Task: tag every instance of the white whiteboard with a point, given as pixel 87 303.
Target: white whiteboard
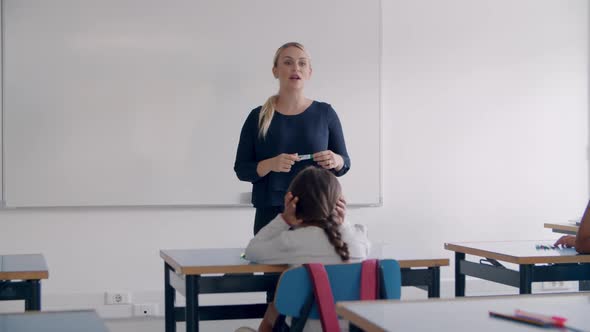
pixel 135 102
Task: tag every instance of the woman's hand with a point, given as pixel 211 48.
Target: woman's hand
pixel 567 241
pixel 328 160
pixel 280 163
pixel 340 210
pixel 289 212
pixel 283 162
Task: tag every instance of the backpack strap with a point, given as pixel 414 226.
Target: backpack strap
pixel 324 297
pixel 370 280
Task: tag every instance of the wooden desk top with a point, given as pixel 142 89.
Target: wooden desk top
pixel 47 321
pixel 224 260
pixel 464 314
pixel 563 228
pixel 405 258
pixel 228 260
pixel 25 267
pixel 519 252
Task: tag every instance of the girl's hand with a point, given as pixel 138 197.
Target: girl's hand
pixel 328 160
pixel 289 212
pixel 340 210
pixel 567 241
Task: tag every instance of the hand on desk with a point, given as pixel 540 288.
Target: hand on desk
pixel 567 241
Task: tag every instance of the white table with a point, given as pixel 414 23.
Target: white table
pixel 464 314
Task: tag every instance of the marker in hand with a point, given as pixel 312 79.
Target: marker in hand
pixel 305 157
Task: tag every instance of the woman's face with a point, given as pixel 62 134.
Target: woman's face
pixel 293 68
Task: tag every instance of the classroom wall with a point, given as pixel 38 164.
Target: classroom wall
pixel 485 137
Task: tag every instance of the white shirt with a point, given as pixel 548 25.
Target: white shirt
pixel 275 243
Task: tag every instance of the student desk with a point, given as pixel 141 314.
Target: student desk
pixel 534 265
pixel 20 279
pixel 62 321
pixel 190 273
pixel 570 229
pixel 464 314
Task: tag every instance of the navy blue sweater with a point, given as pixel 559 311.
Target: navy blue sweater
pixel 316 129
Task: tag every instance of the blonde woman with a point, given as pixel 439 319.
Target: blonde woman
pixel 286 134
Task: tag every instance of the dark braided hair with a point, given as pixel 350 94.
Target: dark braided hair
pixel 319 191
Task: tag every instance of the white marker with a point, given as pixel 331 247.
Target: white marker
pixel 305 157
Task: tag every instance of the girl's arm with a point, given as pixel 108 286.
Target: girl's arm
pixel 268 244
pixel 355 235
pixel 583 235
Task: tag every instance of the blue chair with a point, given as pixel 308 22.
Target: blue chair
pixel 295 286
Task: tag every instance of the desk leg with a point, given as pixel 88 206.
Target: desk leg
pixel 526 278
pixel 584 285
pixel 169 298
pixel 33 299
pixel 434 287
pixel 192 303
pixel 270 296
pixel 459 277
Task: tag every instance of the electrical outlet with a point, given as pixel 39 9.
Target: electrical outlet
pixel 145 309
pixel 117 298
pixel 554 285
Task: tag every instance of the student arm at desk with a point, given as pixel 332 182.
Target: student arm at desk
pixel 582 239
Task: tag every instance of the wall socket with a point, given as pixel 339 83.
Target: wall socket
pixel 555 285
pixel 117 298
pixel 145 309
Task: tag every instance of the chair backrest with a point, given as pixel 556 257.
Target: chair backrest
pixel 295 286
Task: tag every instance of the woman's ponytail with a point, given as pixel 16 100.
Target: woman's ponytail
pixel 265 116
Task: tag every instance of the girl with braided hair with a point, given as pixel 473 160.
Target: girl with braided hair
pixel 311 229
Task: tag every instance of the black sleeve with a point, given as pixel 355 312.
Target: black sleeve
pixel 246 163
pixel 336 142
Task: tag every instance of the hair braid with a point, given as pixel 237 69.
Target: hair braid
pixel 332 230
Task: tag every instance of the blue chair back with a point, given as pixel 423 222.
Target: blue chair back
pixel 295 286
